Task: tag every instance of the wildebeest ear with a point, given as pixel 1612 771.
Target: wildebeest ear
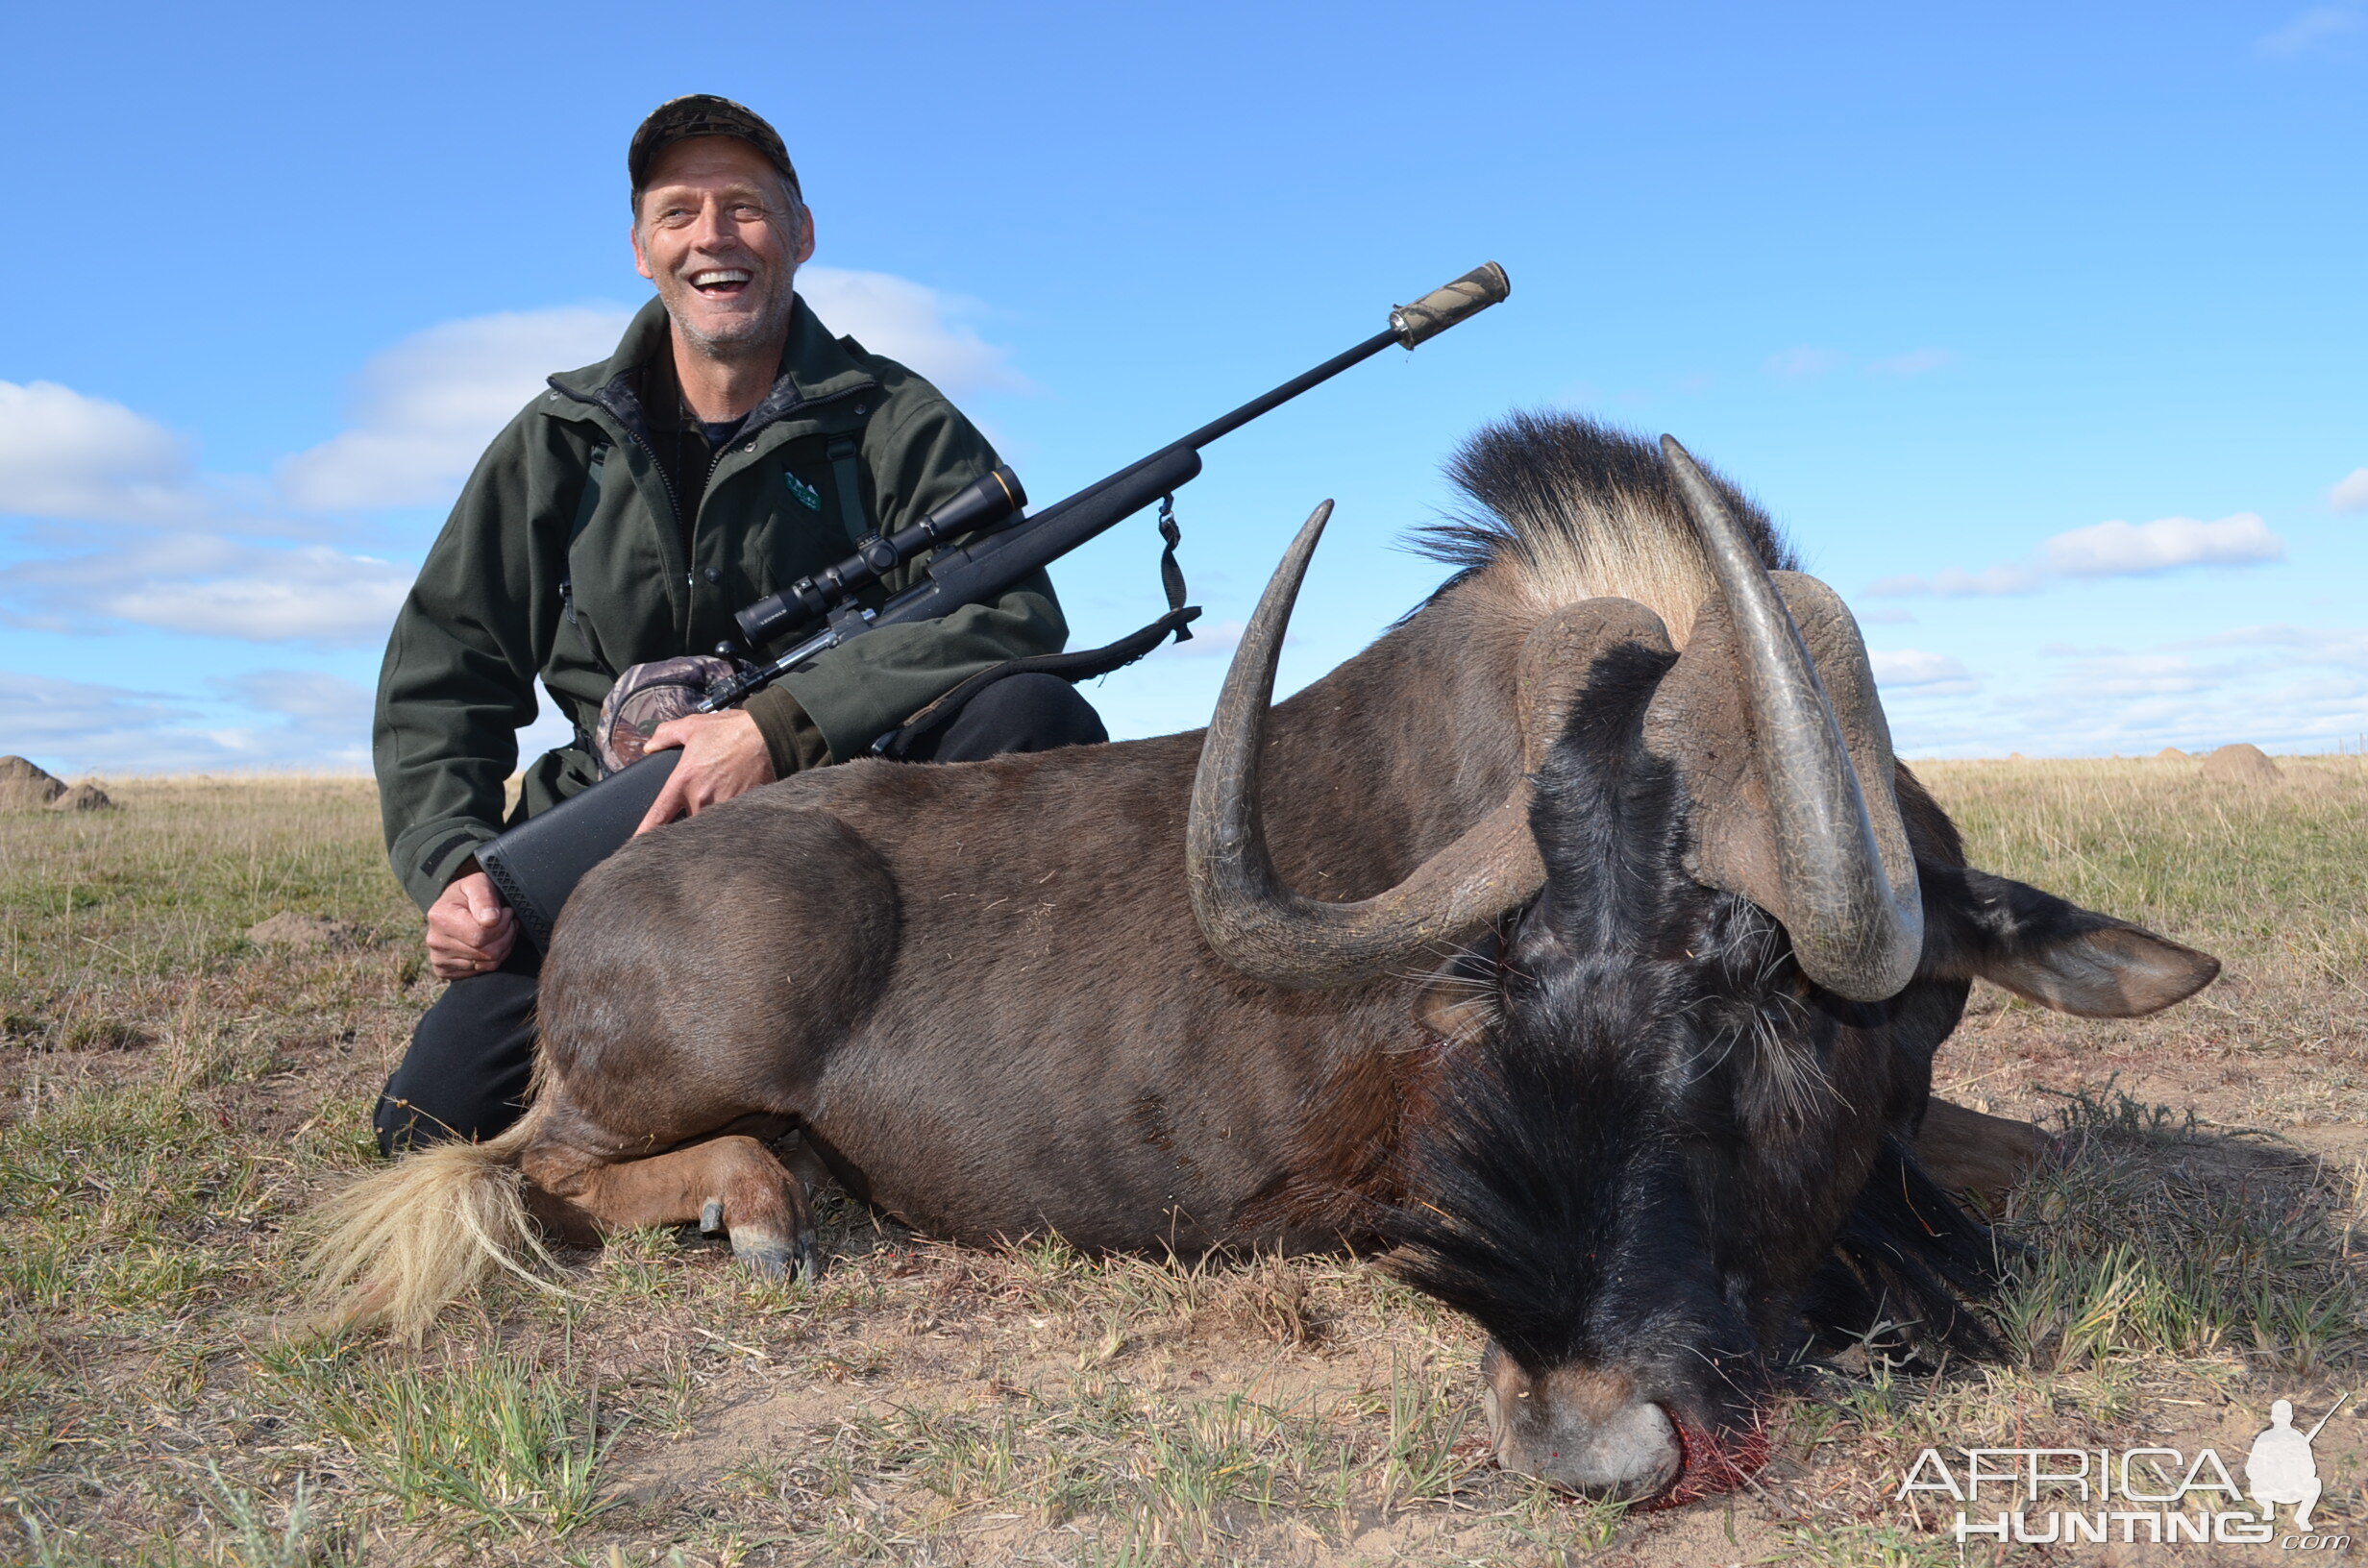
pixel 1458 1003
pixel 2053 952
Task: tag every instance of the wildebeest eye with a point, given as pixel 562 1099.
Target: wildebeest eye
pixel 1459 1002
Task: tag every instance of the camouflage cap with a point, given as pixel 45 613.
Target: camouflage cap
pixel 705 114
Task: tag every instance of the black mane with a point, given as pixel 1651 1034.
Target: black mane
pixel 1545 1183
pixel 1908 1256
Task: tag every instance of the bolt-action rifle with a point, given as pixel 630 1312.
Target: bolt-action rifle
pixel 537 864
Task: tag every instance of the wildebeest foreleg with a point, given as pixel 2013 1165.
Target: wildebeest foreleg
pixel 1968 1151
pixel 731 1184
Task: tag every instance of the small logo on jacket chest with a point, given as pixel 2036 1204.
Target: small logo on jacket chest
pixel 807 496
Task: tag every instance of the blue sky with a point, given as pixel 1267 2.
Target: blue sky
pixel 2040 328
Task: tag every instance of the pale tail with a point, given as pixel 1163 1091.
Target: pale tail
pixel 397 1247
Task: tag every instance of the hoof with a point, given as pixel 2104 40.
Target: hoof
pixel 712 1218
pixel 770 1258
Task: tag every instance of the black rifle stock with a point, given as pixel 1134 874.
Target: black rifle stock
pixel 537 864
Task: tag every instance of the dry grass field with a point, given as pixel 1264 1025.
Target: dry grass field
pixel 171 1093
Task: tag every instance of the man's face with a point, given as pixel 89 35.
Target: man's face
pixel 716 233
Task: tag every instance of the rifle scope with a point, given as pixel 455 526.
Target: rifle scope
pixel 982 504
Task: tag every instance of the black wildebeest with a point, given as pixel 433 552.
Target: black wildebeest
pixel 1700 937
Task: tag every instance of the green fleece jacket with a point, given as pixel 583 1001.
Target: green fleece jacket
pixel 567 558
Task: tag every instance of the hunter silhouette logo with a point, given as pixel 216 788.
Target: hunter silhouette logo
pixel 2152 1495
pixel 2281 1468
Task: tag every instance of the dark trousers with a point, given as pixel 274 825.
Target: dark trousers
pixel 466 1074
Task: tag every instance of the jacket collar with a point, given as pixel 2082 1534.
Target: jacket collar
pixel 816 367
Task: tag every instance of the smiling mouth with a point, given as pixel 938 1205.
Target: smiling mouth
pixel 722 282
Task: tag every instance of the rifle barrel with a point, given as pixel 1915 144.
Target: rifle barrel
pixel 1266 402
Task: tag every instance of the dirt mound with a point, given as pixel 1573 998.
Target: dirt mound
pixel 84 796
pixel 2240 764
pixel 2171 754
pixel 289 929
pixel 24 786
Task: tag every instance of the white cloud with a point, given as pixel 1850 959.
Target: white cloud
pixel 211 587
pixel 306 697
pixel 2140 675
pixel 1888 615
pixel 1915 363
pixel 64 454
pixel 912 323
pixel 2345 649
pixel 39 714
pixel 1802 364
pixel 425 409
pixel 275 719
pixel 2119 549
pixel 2106 549
pixel 290 719
pixel 2280 686
pixel 323 717
pixel 2309 31
pixel 122 528
pixel 2350 493
pixel 158 544
pixel 310 594
pixel 1910 667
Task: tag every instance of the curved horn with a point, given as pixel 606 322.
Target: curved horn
pixel 1856 930
pixel 1273 934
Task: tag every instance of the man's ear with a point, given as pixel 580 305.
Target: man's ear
pixel 805 242
pixel 641 259
pixel 2052 953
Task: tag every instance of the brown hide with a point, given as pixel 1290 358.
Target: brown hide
pixel 980 986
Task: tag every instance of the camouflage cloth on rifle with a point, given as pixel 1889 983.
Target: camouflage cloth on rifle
pixel 646 696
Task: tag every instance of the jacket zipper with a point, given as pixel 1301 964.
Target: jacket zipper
pixel 673 502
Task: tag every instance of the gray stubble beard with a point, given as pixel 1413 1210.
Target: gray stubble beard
pixel 769 329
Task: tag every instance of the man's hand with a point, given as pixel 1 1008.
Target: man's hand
pixel 470 930
pixel 724 754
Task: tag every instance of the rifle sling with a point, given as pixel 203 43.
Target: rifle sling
pixel 846 478
pixel 1085 664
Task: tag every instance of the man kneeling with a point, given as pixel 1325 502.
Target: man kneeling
pixel 731 445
